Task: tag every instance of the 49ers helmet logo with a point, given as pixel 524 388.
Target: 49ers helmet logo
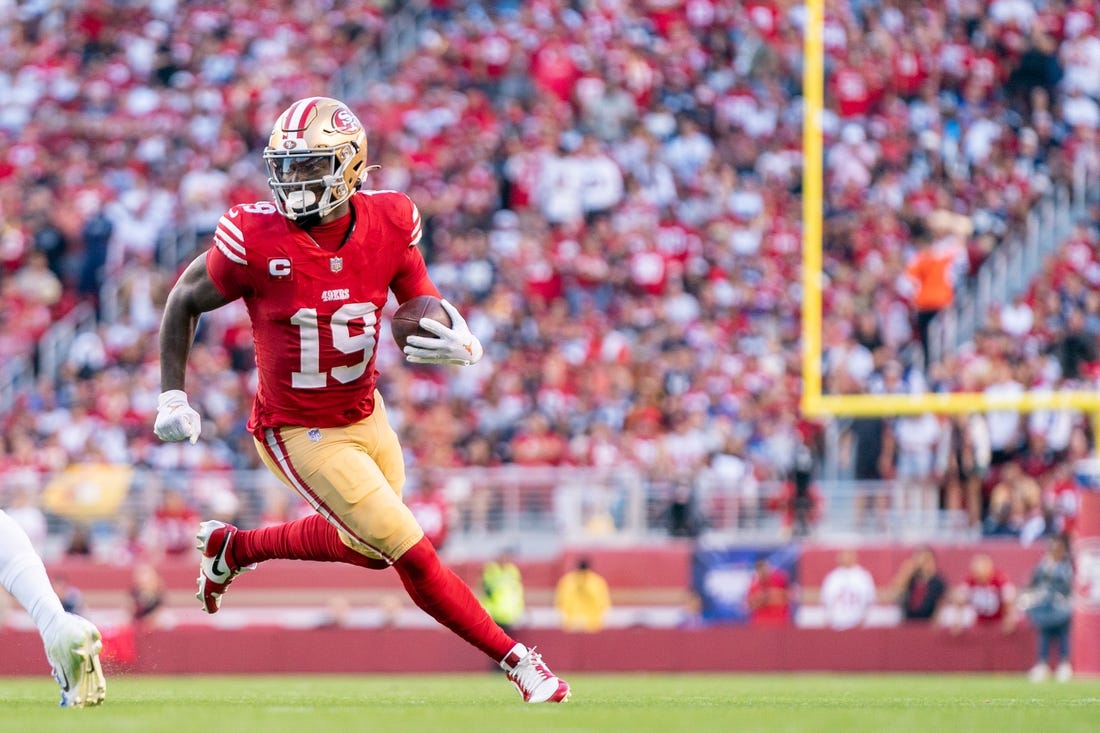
pixel 344 121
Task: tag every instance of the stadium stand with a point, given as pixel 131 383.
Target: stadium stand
pixel 610 191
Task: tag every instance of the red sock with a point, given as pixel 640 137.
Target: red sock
pixel 312 538
pixel 443 596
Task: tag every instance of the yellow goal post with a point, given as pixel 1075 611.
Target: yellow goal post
pixel 813 402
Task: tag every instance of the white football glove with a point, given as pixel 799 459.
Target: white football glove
pixel 176 420
pixel 454 345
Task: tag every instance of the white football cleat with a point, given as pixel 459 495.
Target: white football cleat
pixel 73 651
pixel 1064 673
pixel 532 677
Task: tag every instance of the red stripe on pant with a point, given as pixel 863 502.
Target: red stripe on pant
pixel 281 457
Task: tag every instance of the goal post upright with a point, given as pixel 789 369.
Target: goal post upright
pixel 813 102
pixel 813 402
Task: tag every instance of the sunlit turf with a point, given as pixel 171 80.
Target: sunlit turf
pixel 612 703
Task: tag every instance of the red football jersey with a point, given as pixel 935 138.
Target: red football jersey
pixel 987 598
pixel 315 312
pixel 774 608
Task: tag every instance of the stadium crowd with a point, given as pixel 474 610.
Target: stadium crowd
pixel 611 192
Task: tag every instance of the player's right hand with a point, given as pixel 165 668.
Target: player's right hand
pixel 176 420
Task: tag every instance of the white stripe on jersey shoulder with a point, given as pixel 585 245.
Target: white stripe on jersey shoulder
pixel 417 225
pixel 416 230
pixel 231 229
pixel 235 246
pixel 226 251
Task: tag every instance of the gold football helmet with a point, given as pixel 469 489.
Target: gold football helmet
pixel 317 157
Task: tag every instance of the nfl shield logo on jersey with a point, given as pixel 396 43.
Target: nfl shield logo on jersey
pixel 336 264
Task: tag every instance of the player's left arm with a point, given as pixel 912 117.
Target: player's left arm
pixel 451 345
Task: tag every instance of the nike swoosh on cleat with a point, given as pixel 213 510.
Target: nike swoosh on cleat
pixel 63 680
pixel 214 568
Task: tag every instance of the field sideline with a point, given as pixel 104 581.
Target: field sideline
pixel 601 703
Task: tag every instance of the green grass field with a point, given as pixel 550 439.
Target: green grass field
pixel 611 703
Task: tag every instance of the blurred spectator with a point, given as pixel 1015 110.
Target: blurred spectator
pixel 432 511
pixel 1023 495
pixel 146 595
pixel 919 586
pixel 769 595
pixel 502 592
pixel 536 444
pixel 95 236
pixel 985 598
pixel 337 613
pixel 872 462
pixel 968 459
pixel 1006 431
pixel 23 508
pixel 934 266
pixel 1016 318
pixel 1048 602
pixel 917 471
pixel 1000 521
pixel 171 530
pixel 601 179
pixel 682 514
pixel 847 592
pixel 1065 500
pixel 72 600
pixel 1077 348
pixel 36 283
pixel 80 541
pixel 582 598
pixel 689 151
pixel 800 502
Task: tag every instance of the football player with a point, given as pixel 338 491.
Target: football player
pixel 72 642
pixel 314 268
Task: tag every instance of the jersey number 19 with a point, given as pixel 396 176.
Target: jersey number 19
pixel 310 375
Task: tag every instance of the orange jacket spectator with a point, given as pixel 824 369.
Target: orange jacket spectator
pixel 941 243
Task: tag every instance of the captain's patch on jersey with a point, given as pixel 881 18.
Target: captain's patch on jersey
pixel 278 267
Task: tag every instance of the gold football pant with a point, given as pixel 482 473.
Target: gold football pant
pixel 352 476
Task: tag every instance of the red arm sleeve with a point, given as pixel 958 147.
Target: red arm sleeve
pixel 412 278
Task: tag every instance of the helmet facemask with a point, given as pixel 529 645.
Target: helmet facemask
pixel 309 183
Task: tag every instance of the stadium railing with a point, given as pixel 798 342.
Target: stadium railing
pixel 55 343
pixel 533 510
pixel 16 376
pixel 18 371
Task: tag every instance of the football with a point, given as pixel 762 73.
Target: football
pixel 406 319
